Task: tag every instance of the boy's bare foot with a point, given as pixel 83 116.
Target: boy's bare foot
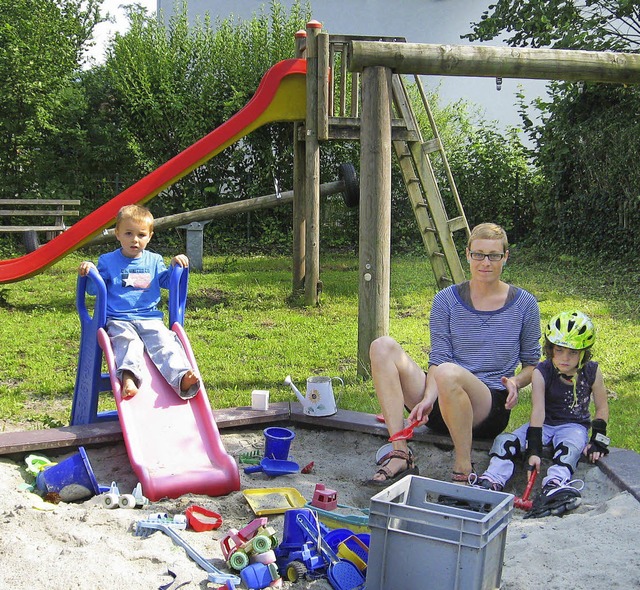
pixel 129 386
pixel 189 385
pixel 188 379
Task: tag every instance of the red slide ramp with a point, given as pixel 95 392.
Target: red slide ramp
pixel 281 96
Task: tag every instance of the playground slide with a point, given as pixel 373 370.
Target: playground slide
pixel 281 96
pixel 174 445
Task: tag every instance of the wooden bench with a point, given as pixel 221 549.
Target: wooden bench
pixel 40 208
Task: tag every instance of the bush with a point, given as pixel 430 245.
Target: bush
pixel 587 147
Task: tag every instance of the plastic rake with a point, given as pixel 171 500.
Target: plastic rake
pixel 169 527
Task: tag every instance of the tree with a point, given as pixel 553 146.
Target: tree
pixel 175 83
pixel 41 48
pixel 587 148
pixel 491 168
pixel 86 154
pixel 562 24
pixel 586 137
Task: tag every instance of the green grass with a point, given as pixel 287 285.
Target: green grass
pixel 247 333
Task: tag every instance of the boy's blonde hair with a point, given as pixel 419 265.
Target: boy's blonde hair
pixel 488 231
pixel 135 213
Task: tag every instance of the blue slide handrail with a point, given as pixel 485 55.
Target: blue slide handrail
pixel 90 380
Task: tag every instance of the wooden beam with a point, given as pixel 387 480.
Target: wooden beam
pixel 299 215
pixel 504 62
pixel 299 174
pixel 209 213
pixel 368 424
pixel 323 86
pixel 109 432
pixel 312 171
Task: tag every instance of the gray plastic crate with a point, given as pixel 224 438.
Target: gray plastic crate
pixel 421 540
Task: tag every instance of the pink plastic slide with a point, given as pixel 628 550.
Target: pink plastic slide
pixel 174 445
pixel 281 96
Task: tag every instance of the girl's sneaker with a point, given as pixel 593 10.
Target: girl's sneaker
pixel 484 482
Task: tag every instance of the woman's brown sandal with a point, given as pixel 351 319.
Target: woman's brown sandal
pixel 459 477
pixel 389 478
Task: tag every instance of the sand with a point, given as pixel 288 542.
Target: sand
pixel 83 545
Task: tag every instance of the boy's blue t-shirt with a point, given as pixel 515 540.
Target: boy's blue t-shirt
pixel 133 284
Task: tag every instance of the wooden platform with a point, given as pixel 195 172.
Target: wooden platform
pixel 622 466
pixel 367 423
pixel 110 432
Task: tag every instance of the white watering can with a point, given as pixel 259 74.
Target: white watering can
pixel 319 400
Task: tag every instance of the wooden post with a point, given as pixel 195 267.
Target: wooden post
pixel 323 86
pixel 299 168
pixel 375 212
pixel 312 172
pixel 505 62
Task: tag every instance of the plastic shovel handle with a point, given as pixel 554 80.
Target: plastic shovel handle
pixel 532 480
pixel 253 468
pixel 524 503
pixel 405 433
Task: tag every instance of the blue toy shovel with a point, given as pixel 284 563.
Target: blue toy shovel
pixel 274 467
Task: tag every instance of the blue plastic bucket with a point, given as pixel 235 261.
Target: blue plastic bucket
pixel 277 442
pixel 72 479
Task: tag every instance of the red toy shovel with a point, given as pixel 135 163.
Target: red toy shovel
pixel 405 433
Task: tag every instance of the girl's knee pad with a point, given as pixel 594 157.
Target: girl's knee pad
pixel 566 455
pixel 506 446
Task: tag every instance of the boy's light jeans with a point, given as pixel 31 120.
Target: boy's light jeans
pixel 130 338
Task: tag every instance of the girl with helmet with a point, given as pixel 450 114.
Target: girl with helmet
pixel 562 388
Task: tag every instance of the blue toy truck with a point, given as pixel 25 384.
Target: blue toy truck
pixel 297 557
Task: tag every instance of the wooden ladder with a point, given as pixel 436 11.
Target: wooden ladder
pixel 415 159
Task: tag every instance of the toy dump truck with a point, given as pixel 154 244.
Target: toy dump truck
pixel 239 545
pixel 298 557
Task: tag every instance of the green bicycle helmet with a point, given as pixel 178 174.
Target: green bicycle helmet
pixel 571 329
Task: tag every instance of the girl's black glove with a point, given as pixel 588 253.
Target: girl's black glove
pixel 599 442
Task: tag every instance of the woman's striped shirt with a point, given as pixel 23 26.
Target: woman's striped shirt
pixel 490 344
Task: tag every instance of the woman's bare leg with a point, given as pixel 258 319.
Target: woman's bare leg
pixel 464 402
pixel 398 381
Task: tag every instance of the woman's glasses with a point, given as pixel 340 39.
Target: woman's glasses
pixel 493 256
